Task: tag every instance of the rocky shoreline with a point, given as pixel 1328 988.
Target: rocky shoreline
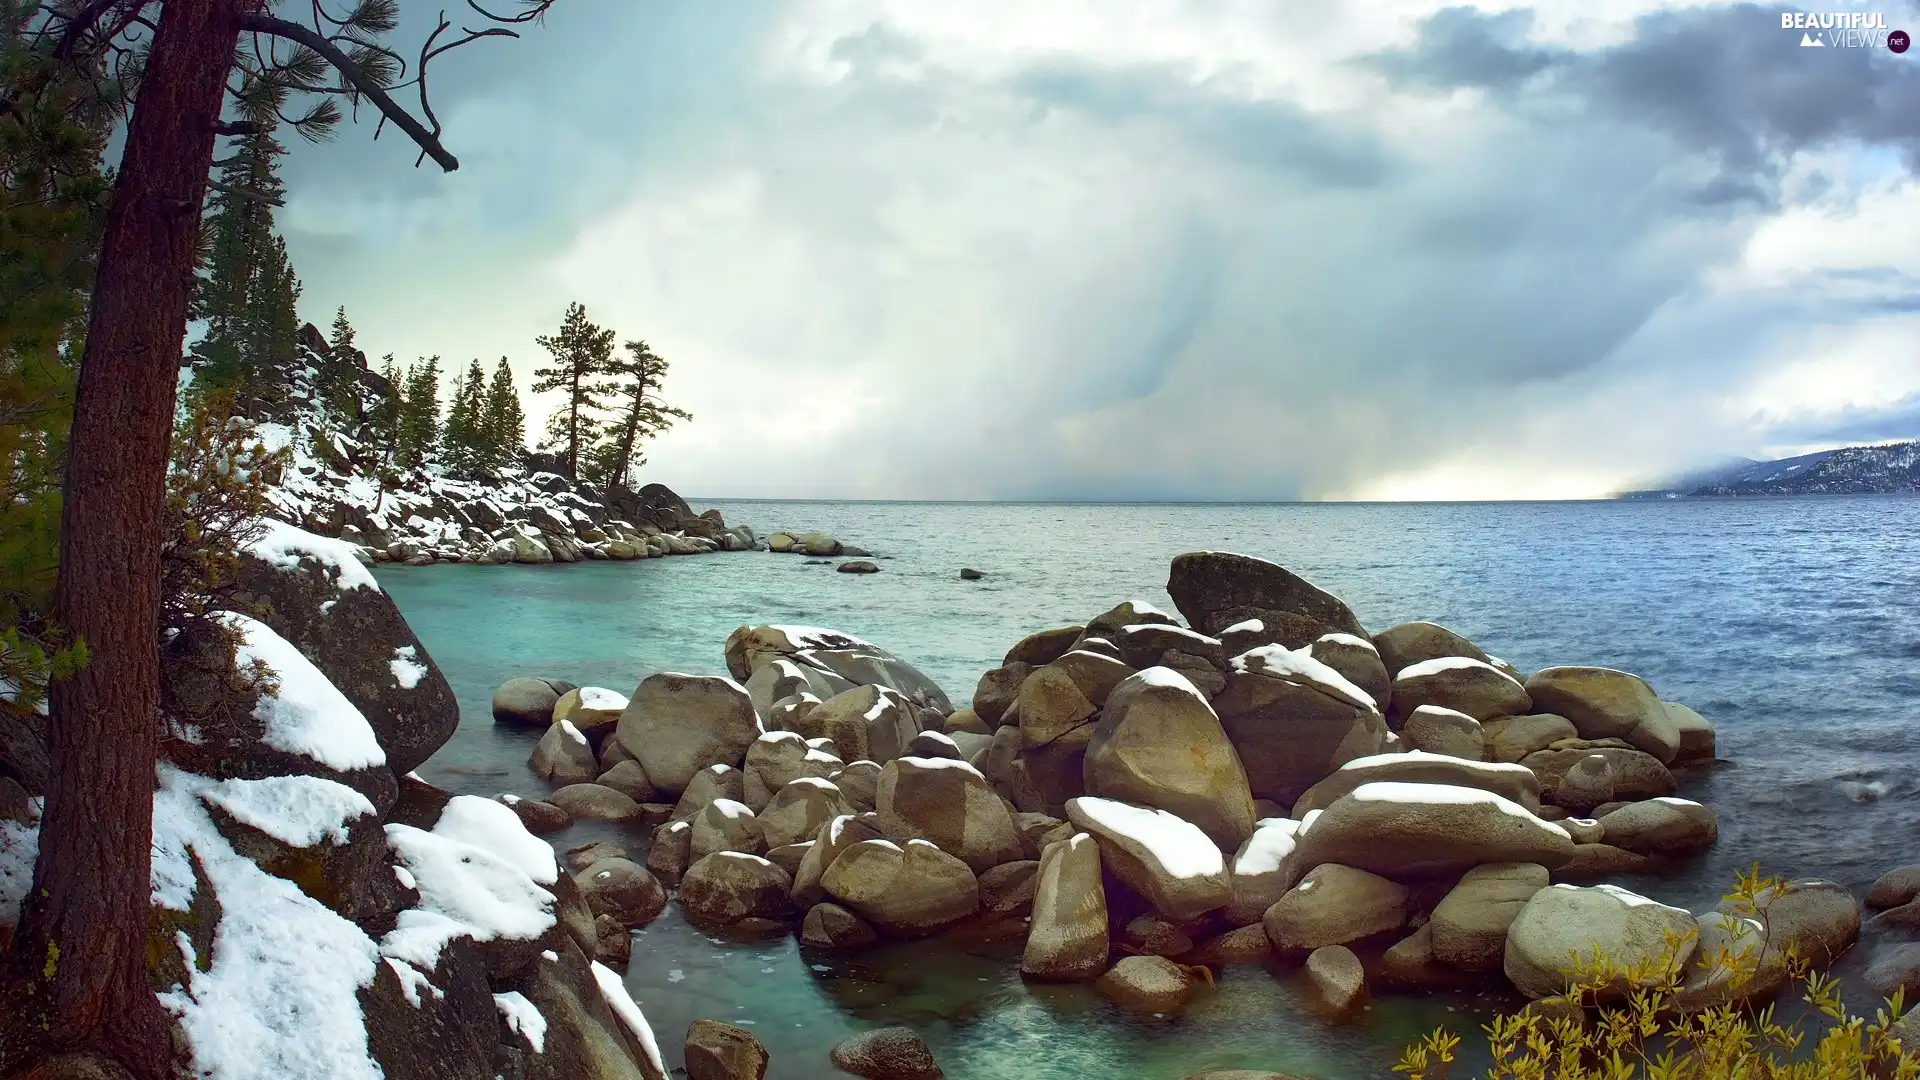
pixel 1141 801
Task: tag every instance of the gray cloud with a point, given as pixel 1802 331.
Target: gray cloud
pixel 1088 275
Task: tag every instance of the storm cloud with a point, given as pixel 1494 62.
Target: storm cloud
pixel 1158 251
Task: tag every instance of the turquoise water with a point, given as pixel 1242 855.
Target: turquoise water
pixel 1791 623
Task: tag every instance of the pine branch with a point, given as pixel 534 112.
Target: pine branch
pixel 248 194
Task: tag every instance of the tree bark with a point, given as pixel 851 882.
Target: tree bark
pixel 84 934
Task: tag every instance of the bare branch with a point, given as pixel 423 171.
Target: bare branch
pixel 428 141
pixel 222 127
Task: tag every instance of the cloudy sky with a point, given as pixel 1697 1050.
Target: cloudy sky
pixel 1222 249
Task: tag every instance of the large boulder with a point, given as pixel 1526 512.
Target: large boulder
pixel 1409 831
pixel 858 662
pixel 775 760
pixel 1697 737
pixel 313 592
pixel 1606 704
pixel 1216 589
pixel 622 889
pixel 728 887
pixel 1514 782
pixel 1159 743
pixel 903 890
pixel 833 838
pixel 1417 642
pixel 1459 683
pixel 1512 738
pixel 871 723
pixel 1067 939
pixel 1152 984
pixel 1636 774
pixel 1662 828
pixel 1562 927
pixel 1051 705
pixel 676 725
pixel 949 803
pixel 1334 905
pixel 528 702
pixel 1439 730
pixel 1293 720
pixel 725 825
pixel 1469 927
pixel 564 756
pixel 797 812
pixel 1169 862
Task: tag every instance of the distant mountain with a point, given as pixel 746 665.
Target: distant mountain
pixel 1851 470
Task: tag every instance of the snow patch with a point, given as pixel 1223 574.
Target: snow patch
pixel 477 877
pixel 1169 679
pixel 1417 794
pixel 599 697
pixel 299 811
pixel 521 1016
pixel 19 847
pixel 406 666
pixel 936 764
pixel 1354 640
pixel 1178 845
pixel 277 1000
pixel 1272 840
pixel 308 715
pixel 284 546
pixel 629 1013
pixel 1449 663
pixel 412 982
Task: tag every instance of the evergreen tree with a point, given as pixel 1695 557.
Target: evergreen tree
pixel 503 424
pixel 340 339
pixel 419 424
pixel 339 391
pixel 464 441
pixel 581 352
pixel 636 379
pixel 248 292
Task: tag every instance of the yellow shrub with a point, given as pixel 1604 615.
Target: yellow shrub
pixel 1658 1032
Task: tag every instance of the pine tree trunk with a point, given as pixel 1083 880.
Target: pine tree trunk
pixel 573 429
pixel 86 925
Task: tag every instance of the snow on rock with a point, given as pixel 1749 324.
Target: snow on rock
pixel 299 811
pixel 277 999
pixel 406 665
pixel 479 874
pixel 413 982
pixel 1354 640
pixel 1272 840
pixel 1178 845
pixel 1298 664
pixel 628 1010
pixel 1448 663
pixel 521 1016
pixel 602 699
pixel 284 546
pixel 19 847
pixel 307 715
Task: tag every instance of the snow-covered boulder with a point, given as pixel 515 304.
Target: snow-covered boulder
pixel 1606 704
pixel 563 755
pixel 710 783
pixel 1168 861
pixel 843 656
pixel 1260 871
pixel 313 592
pixel 776 759
pixel 1067 939
pixel 1357 661
pixel 676 725
pixel 904 890
pixel 1293 720
pixel 1159 743
pixel 796 812
pixel 949 803
pixel 1562 926
pixel 1459 683
pixel 1439 730
pixel 1413 643
pixel 1216 589
pixel 871 723
pixel 1514 782
pixel 592 709
pixel 1409 831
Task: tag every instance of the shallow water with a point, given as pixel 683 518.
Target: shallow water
pixel 1791 623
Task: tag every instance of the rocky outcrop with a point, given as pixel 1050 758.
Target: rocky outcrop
pixel 1159 744
pixel 1215 590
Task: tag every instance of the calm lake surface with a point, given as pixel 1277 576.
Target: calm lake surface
pixel 1793 624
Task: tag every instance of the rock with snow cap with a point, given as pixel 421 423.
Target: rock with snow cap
pixel 593 709
pixel 564 756
pixel 728 887
pixel 1413 643
pixel 713 782
pixel 1410 831
pixel 904 890
pixel 1158 743
pixel 1439 730
pixel 951 804
pixel 1260 871
pixel 1562 923
pixel 725 825
pixel 776 759
pixel 796 812
pixel 834 837
pixel 1459 683
pixel 314 593
pixel 1169 862
pixel 1293 720
pixel 1068 935
pixel 867 722
pixel 1355 658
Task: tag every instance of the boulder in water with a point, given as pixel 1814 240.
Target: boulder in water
pixel 1158 743
pixel 1167 860
pixel 676 725
pixel 1068 935
pixel 1216 589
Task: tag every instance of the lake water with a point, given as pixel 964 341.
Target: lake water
pixel 1793 624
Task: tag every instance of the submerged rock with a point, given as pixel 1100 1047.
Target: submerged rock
pixel 1148 983
pixel 717 1051
pixel 893 1053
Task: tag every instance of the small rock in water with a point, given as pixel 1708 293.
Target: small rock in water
pixel 852 552
pixel 968 573
pixel 893 1053
pixel 717 1051
pixel 858 566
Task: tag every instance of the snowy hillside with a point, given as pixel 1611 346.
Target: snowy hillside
pixel 1852 470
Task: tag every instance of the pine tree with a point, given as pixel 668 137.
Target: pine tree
pixel 340 339
pixel 419 425
pixel 248 293
pixel 637 377
pixel 339 390
pixel 503 424
pixel 464 441
pixel 581 352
